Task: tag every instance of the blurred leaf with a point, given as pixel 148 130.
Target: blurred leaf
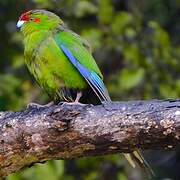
pixel 167 91
pixel 105 12
pixel 43 3
pixel 94 37
pixel 10 92
pixel 85 7
pixel 120 22
pixel 130 78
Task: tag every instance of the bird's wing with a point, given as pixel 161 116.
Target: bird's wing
pixel 81 58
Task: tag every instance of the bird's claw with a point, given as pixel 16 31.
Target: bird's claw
pixel 71 103
pixel 37 106
pixel 33 105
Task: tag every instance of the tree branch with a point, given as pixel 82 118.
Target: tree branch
pixel 71 131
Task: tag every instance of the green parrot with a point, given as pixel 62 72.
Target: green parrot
pixel 62 63
pixel 59 59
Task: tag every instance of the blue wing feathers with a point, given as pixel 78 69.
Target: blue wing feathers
pixel 94 81
pixel 94 78
pixel 69 55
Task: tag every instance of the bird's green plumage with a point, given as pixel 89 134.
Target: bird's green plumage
pixel 47 62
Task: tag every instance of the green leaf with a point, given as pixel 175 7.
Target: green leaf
pixel 105 12
pixel 129 79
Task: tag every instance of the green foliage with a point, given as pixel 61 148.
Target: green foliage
pixel 51 170
pixel 135 43
pixel 105 12
pixel 10 92
pixel 85 7
pixel 129 79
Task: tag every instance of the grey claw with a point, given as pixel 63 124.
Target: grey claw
pixel 35 105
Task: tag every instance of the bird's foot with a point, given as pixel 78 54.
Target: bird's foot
pixel 35 105
pixel 71 103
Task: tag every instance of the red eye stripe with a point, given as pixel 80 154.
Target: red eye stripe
pixel 24 16
pixel 36 20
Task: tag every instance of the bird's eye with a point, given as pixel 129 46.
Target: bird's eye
pixel 36 20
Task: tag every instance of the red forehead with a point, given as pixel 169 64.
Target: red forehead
pixel 24 16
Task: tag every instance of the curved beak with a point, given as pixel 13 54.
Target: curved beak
pixel 20 23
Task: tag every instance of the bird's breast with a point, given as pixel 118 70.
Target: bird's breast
pixel 49 65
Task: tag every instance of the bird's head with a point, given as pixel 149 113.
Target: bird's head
pixel 35 20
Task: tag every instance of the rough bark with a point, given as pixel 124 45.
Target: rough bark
pixel 72 131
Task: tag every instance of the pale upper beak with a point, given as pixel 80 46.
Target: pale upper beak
pixel 20 23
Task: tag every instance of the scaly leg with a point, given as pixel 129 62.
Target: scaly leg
pixel 78 96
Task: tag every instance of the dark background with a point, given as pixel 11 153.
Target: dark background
pixel 136 45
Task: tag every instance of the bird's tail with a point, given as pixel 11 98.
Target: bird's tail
pixel 135 158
